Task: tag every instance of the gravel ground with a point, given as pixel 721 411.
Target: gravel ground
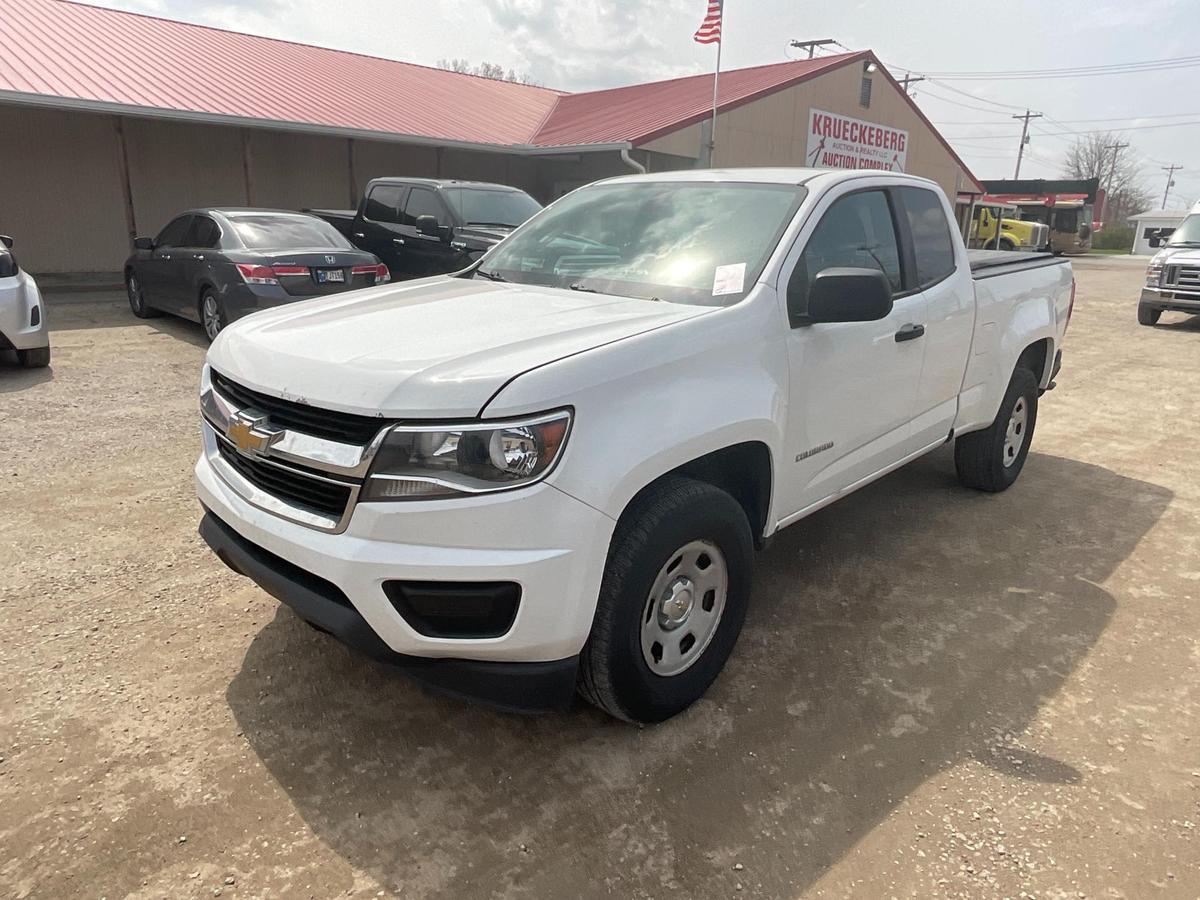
pixel 938 693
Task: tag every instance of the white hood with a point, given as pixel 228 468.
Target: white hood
pixel 436 348
pixel 1178 256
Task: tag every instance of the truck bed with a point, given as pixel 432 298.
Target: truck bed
pixel 989 263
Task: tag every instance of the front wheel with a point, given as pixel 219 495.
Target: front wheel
pixel 1148 315
pixel 137 297
pixel 212 314
pixel 672 601
pixel 991 460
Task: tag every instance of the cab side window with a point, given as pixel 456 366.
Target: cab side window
pixel 174 233
pixel 932 244
pixel 856 231
pixel 383 204
pixel 424 202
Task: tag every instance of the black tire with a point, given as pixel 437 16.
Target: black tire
pixel 1148 315
pixel 613 672
pixel 137 297
pixel 212 326
pixel 1008 245
pixel 36 358
pixel 979 457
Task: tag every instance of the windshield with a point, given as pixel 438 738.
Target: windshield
pixel 1187 233
pixel 480 206
pixel 287 233
pixel 687 242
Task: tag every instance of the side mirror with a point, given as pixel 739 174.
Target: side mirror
pixel 429 225
pixel 7 241
pixel 845 295
pixel 143 243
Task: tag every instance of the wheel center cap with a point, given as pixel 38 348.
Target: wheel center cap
pixel 677 603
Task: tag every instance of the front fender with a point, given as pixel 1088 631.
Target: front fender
pixel 648 404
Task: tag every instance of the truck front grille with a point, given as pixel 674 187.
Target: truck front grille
pixel 1185 277
pixel 332 425
pixel 293 485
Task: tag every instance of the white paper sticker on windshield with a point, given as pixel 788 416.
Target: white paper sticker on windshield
pixel 729 279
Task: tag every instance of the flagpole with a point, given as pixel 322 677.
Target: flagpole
pixel 712 135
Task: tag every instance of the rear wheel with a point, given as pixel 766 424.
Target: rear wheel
pixel 672 602
pixel 212 313
pixel 35 358
pixel 1008 245
pixel 1148 315
pixel 991 460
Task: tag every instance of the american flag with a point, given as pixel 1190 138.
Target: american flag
pixel 709 31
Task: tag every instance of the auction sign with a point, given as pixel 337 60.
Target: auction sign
pixel 839 142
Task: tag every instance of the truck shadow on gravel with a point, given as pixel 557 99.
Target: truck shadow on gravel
pixel 911 627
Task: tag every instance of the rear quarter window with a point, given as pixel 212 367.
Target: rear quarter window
pixel 930 230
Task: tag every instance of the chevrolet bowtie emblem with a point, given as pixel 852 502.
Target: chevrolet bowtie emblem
pixel 250 433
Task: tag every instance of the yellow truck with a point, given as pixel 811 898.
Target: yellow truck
pixel 1015 234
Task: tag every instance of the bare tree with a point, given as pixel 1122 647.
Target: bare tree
pixel 1105 156
pixel 484 70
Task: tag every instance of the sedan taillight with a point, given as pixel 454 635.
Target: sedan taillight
pixel 380 272
pixel 268 274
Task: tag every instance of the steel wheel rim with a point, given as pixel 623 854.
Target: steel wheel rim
pixel 684 608
pixel 1014 435
pixel 212 317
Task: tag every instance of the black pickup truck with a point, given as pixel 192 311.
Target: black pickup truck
pixel 423 226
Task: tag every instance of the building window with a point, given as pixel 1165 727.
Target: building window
pixel 864 93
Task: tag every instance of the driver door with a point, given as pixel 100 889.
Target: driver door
pixel 852 385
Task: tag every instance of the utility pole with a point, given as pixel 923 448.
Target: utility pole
pixel 1112 172
pixel 811 46
pixel 910 79
pixel 1170 170
pixel 1024 138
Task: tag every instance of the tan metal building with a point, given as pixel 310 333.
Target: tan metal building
pixel 111 122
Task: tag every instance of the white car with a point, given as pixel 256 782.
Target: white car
pixel 552 469
pixel 22 312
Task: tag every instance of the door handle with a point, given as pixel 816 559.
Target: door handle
pixel 909 332
pixel 198 256
pixel 359 234
pixel 397 240
pixel 165 256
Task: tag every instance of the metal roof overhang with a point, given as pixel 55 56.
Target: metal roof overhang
pixel 77 104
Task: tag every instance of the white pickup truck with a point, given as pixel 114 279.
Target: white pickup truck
pixel 551 470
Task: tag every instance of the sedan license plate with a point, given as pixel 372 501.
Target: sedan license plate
pixel 327 275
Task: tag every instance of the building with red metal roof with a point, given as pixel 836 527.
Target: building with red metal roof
pixel 144 116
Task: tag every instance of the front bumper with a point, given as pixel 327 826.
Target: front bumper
pixel 22 314
pixel 550 544
pixel 517 686
pixel 1177 301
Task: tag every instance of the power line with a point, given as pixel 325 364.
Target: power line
pixel 1064 122
pixel 1008 137
pixel 1148 65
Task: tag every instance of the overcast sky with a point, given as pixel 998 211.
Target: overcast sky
pixel 584 44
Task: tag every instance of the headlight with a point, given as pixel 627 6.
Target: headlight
pixel 424 462
pixel 1154 273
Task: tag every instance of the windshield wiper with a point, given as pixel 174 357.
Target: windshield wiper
pixel 493 224
pixel 490 276
pixel 580 286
